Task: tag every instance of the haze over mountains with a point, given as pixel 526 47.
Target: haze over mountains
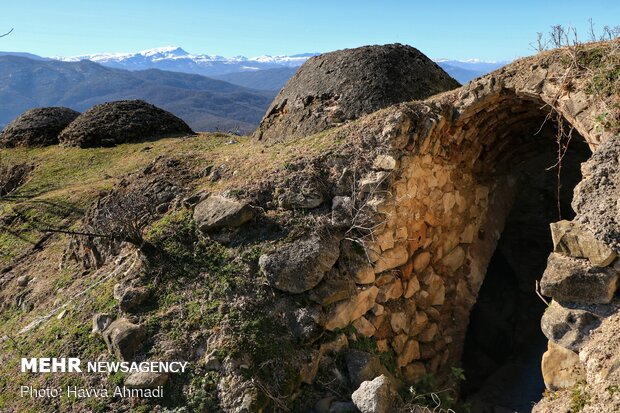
pixel 208 92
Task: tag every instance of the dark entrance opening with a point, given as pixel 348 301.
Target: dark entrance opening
pixel 504 343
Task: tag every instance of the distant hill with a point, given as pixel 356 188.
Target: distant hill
pixel 22 54
pixel 461 75
pixel 205 104
pixel 467 70
pixel 268 79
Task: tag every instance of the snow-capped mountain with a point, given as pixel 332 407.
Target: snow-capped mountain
pixel 178 60
pixel 270 71
pixel 475 65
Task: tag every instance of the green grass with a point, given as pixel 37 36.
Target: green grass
pixel 195 280
pixel 579 398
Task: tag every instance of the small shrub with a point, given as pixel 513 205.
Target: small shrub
pixel 579 397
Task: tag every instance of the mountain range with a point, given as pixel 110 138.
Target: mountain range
pixel 204 103
pixel 178 60
pixel 208 92
pixel 262 72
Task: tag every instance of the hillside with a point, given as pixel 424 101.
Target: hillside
pixel 392 260
pixel 205 104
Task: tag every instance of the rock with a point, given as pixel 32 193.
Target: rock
pixel 341 86
pixel 413 286
pixel 307 197
pixel 145 380
pixel 421 261
pixel 162 208
pixel 334 287
pixel 561 368
pixel 399 322
pixel 390 291
pixel 392 258
pixel 23 281
pixel 572 239
pixel 364 327
pixel 422 299
pixel 384 162
pixel 414 372
pixel 353 262
pixel 419 323
pixel 309 372
pixel 344 312
pixel 212 363
pixel 363 366
pixel 342 211
pixel 124 338
pixel 13 176
pixel 37 127
pixel 132 298
pixel 570 279
pixel 409 353
pixel 217 212
pixel 364 274
pixel 113 123
pixel 301 265
pixel 429 333
pixel 454 259
pixel 193 200
pixel 596 197
pixel 376 396
pixel 303 323
pixel 569 328
pixel 436 288
pixel 101 322
pixel 373 182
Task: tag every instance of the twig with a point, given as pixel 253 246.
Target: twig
pixel 538 293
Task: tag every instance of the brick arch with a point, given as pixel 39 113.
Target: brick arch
pixel 447 200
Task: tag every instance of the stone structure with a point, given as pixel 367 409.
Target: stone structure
pixel 341 86
pixel 440 197
pixel 37 127
pixel 113 123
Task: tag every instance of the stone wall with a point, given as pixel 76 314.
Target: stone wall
pixel 450 185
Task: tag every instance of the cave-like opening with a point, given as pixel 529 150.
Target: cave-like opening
pixel 504 343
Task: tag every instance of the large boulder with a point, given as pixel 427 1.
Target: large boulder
pixel 113 123
pixel 568 279
pixel 561 368
pixel 572 239
pixel 218 211
pixel 124 338
pixel 301 265
pixel 596 197
pixel 341 86
pixel 376 396
pixel 568 327
pixel 37 127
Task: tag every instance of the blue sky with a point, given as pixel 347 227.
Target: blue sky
pixel 489 30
